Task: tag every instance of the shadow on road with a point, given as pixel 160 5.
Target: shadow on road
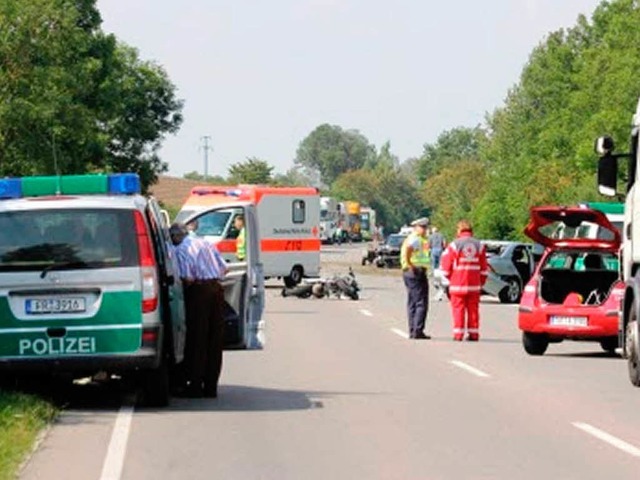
pixel 611 356
pixel 236 398
pixel 292 312
pixel 448 339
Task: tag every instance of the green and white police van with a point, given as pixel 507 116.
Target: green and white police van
pixel 88 282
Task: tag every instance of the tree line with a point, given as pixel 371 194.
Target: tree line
pixel 536 148
pixel 75 100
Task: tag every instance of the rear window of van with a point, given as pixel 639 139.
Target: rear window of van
pixel 80 238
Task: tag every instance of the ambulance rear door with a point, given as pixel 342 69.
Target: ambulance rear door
pixel 290 234
pixel 244 282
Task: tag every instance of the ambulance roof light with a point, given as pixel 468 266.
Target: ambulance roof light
pixel 216 191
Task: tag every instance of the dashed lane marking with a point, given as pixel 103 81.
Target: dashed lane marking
pixel 608 438
pixel 114 461
pixel 470 369
pixel 366 312
pixel 400 333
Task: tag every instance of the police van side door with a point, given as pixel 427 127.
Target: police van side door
pixel 172 295
pixel 243 284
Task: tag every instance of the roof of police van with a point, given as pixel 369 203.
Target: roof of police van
pixel 74 201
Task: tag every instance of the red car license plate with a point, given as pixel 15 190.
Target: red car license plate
pixel 568 321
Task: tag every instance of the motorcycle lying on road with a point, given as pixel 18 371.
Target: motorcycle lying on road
pixel 337 286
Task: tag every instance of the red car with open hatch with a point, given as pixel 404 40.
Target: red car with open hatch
pixel 575 291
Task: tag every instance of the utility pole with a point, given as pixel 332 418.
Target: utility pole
pixel 206 148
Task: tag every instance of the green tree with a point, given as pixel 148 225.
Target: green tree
pixel 384 158
pixel 393 195
pixel 295 177
pixel 453 193
pixel 74 94
pixel 252 171
pixel 212 179
pixel 330 151
pixel 577 84
pixel 452 146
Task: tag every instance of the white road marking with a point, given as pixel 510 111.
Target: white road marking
pixel 469 368
pixel 366 312
pixel 399 332
pixel 610 439
pixel 114 461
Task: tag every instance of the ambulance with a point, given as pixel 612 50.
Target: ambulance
pixel 288 224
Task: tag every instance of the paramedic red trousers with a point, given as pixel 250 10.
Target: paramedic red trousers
pixel 466 315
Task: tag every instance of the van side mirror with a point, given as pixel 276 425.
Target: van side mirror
pixel 604 145
pixel 607 166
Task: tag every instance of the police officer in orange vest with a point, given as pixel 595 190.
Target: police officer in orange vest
pixel 414 260
pixel 464 264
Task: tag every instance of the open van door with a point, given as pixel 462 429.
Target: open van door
pixel 244 283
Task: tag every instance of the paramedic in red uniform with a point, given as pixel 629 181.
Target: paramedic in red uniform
pixel 464 263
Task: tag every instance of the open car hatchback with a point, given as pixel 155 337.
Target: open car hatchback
pixel 575 290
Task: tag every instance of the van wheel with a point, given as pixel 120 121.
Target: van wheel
pixel 294 278
pixel 512 292
pixel 609 344
pixel 632 354
pixel 155 386
pixel 534 344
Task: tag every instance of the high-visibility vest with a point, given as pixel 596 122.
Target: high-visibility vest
pixel 241 247
pixel 419 256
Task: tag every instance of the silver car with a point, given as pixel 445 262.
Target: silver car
pixel 511 265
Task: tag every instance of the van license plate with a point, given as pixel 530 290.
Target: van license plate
pixel 37 306
pixel 568 321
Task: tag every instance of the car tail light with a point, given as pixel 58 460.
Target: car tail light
pixel 147 265
pixel 617 293
pixel 149 337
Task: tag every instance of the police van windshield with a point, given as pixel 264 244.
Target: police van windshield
pixel 82 238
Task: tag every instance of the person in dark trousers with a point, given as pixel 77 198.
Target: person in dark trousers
pixel 201 268
pixel 414 260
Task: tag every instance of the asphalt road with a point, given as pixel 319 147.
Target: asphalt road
pixel 340 393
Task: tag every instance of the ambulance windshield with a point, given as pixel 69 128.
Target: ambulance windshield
pixel 216 223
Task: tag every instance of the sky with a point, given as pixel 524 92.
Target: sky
pixel 259 76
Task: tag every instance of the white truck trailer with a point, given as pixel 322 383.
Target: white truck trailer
pixel 629 314
pixel 328 219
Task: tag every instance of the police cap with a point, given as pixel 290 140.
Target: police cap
pixel 420 222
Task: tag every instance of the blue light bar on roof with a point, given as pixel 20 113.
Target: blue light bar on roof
pixel 10 188
pixel 115 184
pixel 124 183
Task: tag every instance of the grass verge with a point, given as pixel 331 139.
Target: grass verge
pixel 22 417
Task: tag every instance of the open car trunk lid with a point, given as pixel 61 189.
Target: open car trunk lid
pixel 572 227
